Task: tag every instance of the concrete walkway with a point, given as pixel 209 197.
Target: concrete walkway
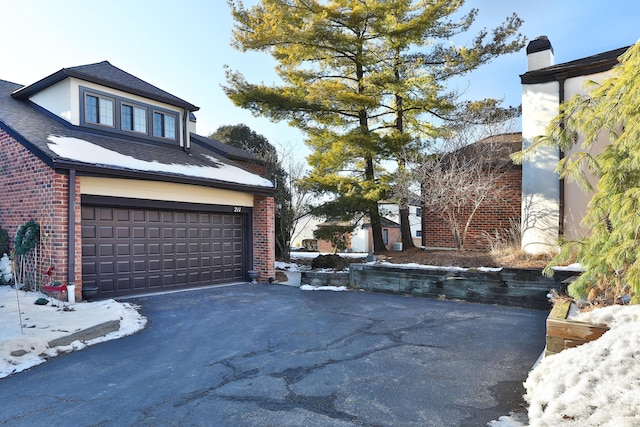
pixel 274 355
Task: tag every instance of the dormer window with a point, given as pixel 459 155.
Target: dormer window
pixel 128 117
pixel 164 125
pixel 99 110
pixel 133 118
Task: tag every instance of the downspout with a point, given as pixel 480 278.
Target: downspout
pixel 561 78
pixel 186 144
pixel 71 233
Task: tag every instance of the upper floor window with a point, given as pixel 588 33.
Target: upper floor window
pixel 164 125
pixel 418 211
pixel 125 116
pixel 133 118
pixel 99 110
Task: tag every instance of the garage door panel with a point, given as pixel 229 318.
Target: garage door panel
pixel 155 281
pixel 106 267
pixel 123 232
pixel 153 249
pixel 89 250
pixel 127 251
pixel 105 214
pixel 123 267
pixel 138 216
pixel 140 282
pixel 105 250
pixel 89 231
pixel 105 232
pixel 106 284
pixel 139 266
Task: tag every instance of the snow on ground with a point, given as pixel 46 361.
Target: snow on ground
pixel 323 288
pixel 24 347
pixel 595 384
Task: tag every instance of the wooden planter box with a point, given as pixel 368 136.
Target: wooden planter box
pixel 563 333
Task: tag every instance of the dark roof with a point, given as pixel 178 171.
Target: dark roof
pixel 105 74
pixel 501 147
pixel 32 126
pixel 226 150
pixel 385 222
pixel 579 67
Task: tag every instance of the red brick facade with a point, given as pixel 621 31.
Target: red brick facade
pixel 32 190
pixel 264 251
pixel 490 217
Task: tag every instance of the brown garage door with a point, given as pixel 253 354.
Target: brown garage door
pixel 129 250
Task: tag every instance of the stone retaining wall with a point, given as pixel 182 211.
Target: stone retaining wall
pixel 513 287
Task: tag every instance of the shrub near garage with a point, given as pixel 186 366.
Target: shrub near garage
pixel 335 262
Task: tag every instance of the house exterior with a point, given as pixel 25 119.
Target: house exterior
pixel 391 211
pixel 361 240
pixel 128 196
pixel 496 217
pixel 553 208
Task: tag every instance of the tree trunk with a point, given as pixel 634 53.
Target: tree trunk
pixel 405 229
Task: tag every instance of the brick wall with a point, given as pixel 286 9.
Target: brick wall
pixel 32 190
pixel 264 255
pixel 490 217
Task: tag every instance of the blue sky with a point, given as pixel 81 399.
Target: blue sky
pixel 182 47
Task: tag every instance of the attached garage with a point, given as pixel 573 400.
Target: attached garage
pixel 129 250
pixel 130 203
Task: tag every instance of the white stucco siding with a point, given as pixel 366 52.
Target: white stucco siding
pixel 166 191
pixel 59 100
pixel 576 200
pixel 540 185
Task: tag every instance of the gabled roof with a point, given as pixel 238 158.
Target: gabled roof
pixel 105 74
pixel 63 146
pixel 580 67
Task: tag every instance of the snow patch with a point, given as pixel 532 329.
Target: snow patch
pixel 323 288
pixel 87 152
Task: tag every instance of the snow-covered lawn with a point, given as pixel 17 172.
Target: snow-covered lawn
pixel 22 347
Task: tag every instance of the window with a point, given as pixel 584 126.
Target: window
pixel 98 110
pixel 418 233
pixel 385 236
pixel 125 116
pixel 418 211
pixel 164 125
pixel 133 118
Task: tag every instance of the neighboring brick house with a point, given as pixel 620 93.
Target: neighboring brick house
pixel 131 198
pixel 495 218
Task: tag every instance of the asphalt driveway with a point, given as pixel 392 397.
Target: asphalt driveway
pixel 265 355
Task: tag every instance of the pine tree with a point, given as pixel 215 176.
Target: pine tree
pixel 357 77
pixel 611 252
